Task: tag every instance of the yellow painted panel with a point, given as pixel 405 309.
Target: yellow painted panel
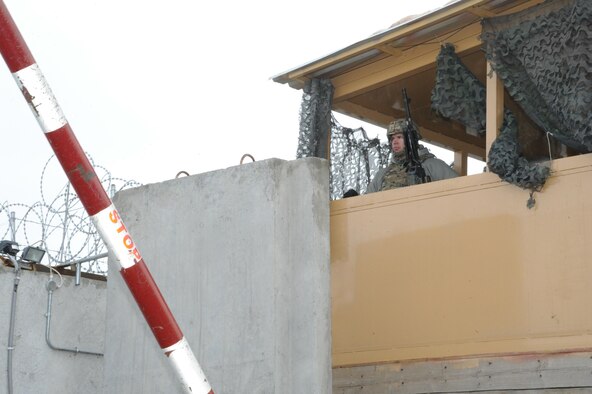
pixel 462 267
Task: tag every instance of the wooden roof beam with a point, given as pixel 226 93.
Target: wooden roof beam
pixel 362 113
pixel 381 39
pixel 521 7
pixel 390 50
pixel 390 69
pixel 482 12
pixel 452 143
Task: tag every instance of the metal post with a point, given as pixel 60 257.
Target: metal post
pixel 12 222
pixel 98 205
pixel 78 265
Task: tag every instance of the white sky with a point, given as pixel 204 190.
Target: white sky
pixel 152 88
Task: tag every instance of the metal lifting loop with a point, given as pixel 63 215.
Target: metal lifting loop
pixel 246 155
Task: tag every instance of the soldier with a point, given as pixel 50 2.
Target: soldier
pixel 395 175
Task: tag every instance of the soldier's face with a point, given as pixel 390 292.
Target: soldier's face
pixel 397 143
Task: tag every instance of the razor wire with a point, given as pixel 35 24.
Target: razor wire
pixel 59 223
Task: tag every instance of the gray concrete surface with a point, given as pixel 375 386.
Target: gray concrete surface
pixel 241 256
pixel 78 320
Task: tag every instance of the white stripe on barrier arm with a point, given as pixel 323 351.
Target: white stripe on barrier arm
pixel 187 367
pixel 40 98
pixel 115 235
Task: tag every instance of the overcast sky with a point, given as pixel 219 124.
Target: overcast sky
pixel 153 88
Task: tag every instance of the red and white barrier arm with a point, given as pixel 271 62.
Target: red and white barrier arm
pixel 98 205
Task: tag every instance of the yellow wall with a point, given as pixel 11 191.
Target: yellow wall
pixel 462 267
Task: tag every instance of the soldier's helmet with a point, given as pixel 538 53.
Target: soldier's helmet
pixel 397 126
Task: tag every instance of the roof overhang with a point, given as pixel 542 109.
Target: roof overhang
pixel 368 76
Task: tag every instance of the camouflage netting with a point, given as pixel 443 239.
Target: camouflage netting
pixel 460 96
pixel 544 57
pixel 315 119
pixel 505 159
pixel 457 93
pixel 355 159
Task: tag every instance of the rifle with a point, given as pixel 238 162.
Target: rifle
pixel 412 136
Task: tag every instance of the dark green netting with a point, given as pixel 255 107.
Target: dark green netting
pixel 315 119
pixel 505 159
pixel 460 96
pixel 457 93
pixel 543 56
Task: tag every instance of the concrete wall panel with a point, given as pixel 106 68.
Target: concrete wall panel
pixel 242 257
pixel 78 321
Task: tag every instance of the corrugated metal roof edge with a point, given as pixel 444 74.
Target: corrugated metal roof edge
pixel 376 36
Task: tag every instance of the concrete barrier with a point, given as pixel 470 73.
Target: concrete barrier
pixel 242 257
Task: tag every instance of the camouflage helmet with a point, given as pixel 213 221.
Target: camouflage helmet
pixel 397 126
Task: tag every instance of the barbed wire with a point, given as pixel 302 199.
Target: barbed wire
pixel 60 224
